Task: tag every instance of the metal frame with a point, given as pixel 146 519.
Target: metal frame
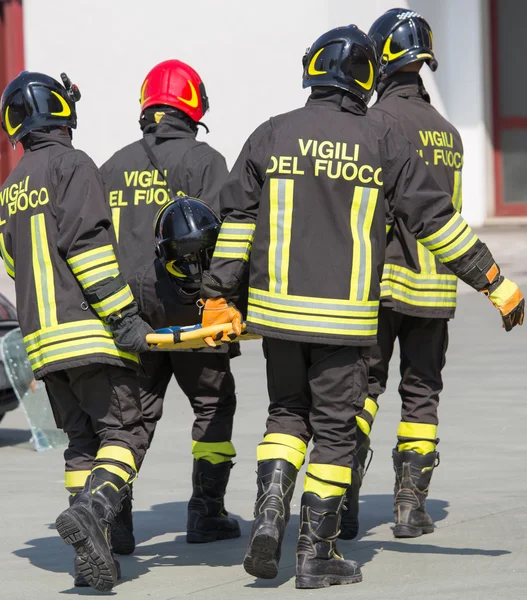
pixel 500 124
pixel 11 63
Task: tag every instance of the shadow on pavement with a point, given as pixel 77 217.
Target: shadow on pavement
pixel 51 554
pixel 13 437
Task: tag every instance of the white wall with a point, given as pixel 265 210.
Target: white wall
pixel 249 55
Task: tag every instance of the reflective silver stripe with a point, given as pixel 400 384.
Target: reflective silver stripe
pixel 468 240
pixel 57 333
pixel 417 280
pixel 310 305
pixel 386 289
pixel 280 234
pixel 43 272
pixel 100 256
pixel 226 231
pixel 79 348
pixel 457 220
pixel 233 250
pixel 313 323
pixel 90 278
pixel 114 302
pixel 365 196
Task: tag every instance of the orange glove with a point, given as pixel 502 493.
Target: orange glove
pixel 508 299
pixel 217 311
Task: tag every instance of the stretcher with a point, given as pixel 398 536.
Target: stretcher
pixel 192 336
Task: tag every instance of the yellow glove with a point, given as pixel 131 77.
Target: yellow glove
pixel 217 311
pixel 508 299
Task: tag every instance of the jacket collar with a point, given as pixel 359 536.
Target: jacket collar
pixel 170 128
pixel 403 85
pixel 329 96
pixel 36 140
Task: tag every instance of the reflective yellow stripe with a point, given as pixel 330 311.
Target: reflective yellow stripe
pixel 9 263
pixel 124 475
pixel 81 261
pixel 286 440
pixel 419 446
pixel 116 219
pixel 277 451
pixel 461 246
pixel 117 453
pixel 313 304
pixel 232 255
pixel 67 330
pixel 89 278
pixel 361 217
pixel 281 193
pixel 331 473
pixel 419 431
pixel 363 425
pixel 324 479
pixel 438 296
pixel 43 272
pixel 438 238
pixel 77 348
pixel 427 263
pixel 388 229
pixel 390 290
pixel 370 406
pixel 114 303
pixel 75 479
pixel 235 236
pixel 213 452
pixel 419 280
pixel 239 227
pixel 457 195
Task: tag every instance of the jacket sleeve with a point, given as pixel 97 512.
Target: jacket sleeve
pixel 240 201
pixel 85 238
pixel 203 174
pixel 428 213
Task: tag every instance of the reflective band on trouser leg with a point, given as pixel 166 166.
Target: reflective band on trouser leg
pixel 417 437
pixel 117 460
pixel 282 446
pixel 327 480
pixel 74 480
pixel 367 416
pixel 213 452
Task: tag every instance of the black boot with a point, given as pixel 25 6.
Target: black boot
pixel 122 538
pixel 85 526
pixel 413 472
pixel 349 527
pixel 207 519
pixel 276 484
pixel 78 577
pixel 318 562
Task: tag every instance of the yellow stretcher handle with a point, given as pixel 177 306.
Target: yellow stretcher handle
pixel 195 337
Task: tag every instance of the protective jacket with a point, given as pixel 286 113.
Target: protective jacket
pixel 56 242
pixel 414 282
pixel 306 205
pixel 136 190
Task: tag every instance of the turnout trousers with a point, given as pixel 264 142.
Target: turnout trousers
pixel 99 409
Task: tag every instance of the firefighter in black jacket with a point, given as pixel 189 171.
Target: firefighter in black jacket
pixel 305 207
pixel 79 320
pixel 140 179
pixel 167 161
pixel 418 292
pixel 166 290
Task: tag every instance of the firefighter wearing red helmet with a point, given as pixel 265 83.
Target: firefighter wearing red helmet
pixel 140 179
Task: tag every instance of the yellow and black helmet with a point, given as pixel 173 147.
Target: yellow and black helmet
pixel 401 37
pixel 345 58
pixel 185 232
pixel 35 101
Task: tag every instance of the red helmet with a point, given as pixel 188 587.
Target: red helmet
pixel 176 84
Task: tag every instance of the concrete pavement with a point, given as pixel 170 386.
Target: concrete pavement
pixel 478 496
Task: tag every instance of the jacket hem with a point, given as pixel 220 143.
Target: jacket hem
pixel 309 338
pixel 102 359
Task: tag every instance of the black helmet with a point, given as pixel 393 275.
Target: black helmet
pixel 185 233
pixel 344 58
pixel 402 37
pixel 34 100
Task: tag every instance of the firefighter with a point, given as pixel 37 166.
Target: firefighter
pixel 81 326
pixel 167 290
pixel 140 179
pixel 304 208
pixel 418 292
